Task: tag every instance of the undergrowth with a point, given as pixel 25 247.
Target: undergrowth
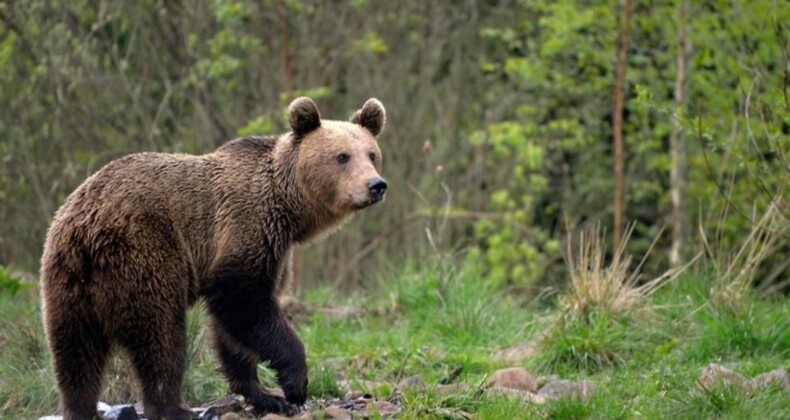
pixel 444 323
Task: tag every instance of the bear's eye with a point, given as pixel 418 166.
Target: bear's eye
pixel 343 158
pixel 372 157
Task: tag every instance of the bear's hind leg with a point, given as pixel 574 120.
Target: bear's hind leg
pixel 79 352
pixel 156 342
pixel 158 353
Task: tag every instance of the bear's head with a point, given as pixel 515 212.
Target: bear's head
pixel 338 163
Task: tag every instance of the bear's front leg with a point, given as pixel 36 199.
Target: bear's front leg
pixel 249 328
pixel 240 368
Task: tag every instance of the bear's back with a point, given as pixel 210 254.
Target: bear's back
pixel 183 199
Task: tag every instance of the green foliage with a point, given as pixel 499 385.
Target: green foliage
pixel 725 334
pixel 405 331
pixel 10 284
pixel 370 43
pixel 202 380
pixel 322 383
pixel 590 344
pixel 451 302
pixel 726 401
pixel 27 384
pixel 506 105
pixel 514 251
pixel 257 126
pixel 569 408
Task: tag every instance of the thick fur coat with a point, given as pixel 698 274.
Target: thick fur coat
pixel 149 234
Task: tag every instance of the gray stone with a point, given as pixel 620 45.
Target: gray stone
pixel 272 416
pixel 385 407
pixel 412 382
pixel 219 408
pixel 715 374
pixel 561 388
pixel 777 377
pixel 542 380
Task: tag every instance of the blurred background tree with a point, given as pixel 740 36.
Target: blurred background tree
pixel 500 115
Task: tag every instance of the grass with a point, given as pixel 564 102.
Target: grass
pixel 444 324
pixel 606 316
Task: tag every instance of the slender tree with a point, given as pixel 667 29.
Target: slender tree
pixel 677 143
pixel 286 49
pixel 617 122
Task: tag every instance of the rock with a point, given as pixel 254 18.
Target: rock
pixel 219 408
pixel 514 378
pixel 272 416
pixel 542 380
pixel 230 416
pixel 412 382
pixel 561 388
pixel 385 407
pixel 333 412
pixel 452 389
pixel 777 377
pixel 525 396
pixel 716 374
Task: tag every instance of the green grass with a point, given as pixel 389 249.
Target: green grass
pixel 444 324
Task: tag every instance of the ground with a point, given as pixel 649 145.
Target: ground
pixel 426 343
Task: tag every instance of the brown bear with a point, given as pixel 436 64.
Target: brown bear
pixel 149 234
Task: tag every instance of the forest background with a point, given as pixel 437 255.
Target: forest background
pixel 510 123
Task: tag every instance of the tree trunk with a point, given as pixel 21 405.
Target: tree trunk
pixel 286 46
pixel 677 179
pixel 617 123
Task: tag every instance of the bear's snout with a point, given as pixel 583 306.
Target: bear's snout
pixel 377 187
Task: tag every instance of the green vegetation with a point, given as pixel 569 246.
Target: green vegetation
pixel 443 324
pixel 10 284
pixel 500 112
pixel 500 149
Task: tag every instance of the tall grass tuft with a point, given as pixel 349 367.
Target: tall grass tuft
pixel 735 272
pixel 611 288
pixel 603 308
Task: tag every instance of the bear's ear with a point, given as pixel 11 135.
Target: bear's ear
pixel 303 116
pixel 372 116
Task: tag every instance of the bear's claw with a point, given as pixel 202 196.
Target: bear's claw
pixel 264 404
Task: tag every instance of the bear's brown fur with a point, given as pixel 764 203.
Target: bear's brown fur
pixel 146 236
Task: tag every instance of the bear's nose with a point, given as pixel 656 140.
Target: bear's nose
pixel 377 188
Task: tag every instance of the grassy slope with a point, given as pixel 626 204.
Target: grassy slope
pixel 432 323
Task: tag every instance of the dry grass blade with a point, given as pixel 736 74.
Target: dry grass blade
pixel 612 288
pixel 735 274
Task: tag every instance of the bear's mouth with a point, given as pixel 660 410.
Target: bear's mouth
pixel 376 199
pixel 367 203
